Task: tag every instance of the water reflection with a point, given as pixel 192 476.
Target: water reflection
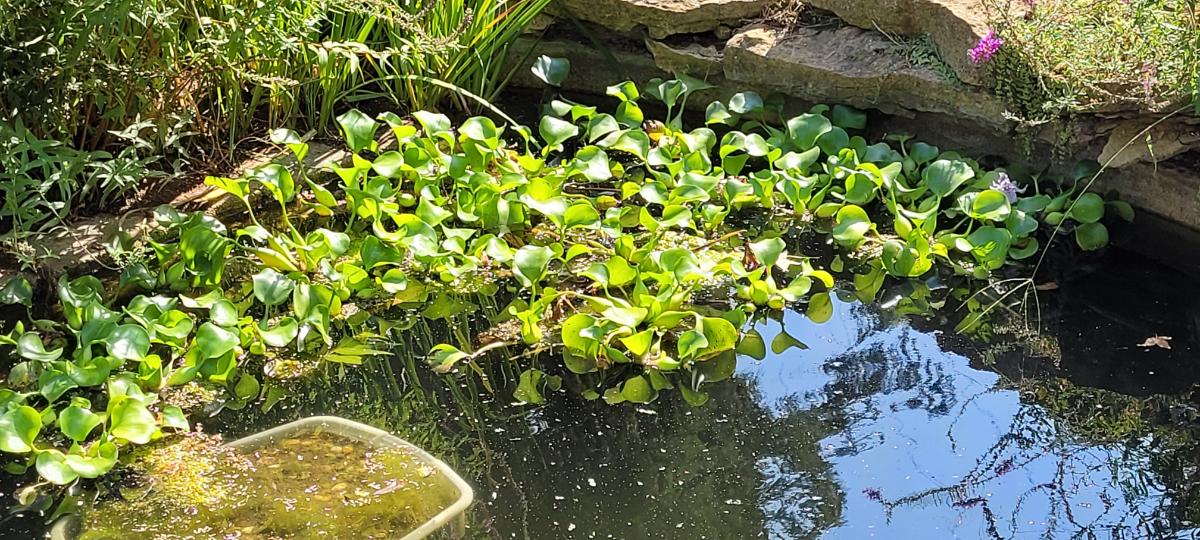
pixel 873 427
pixel 931 446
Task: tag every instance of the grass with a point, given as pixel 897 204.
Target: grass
pixel 79 75
pixel 1067 56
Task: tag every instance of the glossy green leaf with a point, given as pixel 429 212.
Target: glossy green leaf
pixel 271 287
pixel 550 70
pixel 851 225
pixel 29 346
pixel 1088 208
pixel 19 427
pixel 129 342
pixel 944 176
pixel 805 129
pixel 129 419
pixel 359 129
pixel 1091 236
pixel 17 290
pixel 213 341
pixel 78 422
pixel 530 262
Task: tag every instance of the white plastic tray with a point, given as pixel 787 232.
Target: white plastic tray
pixel 451 520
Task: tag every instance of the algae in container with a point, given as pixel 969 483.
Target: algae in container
pixel 320 477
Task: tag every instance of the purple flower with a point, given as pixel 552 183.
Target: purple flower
pixel 987 47
pixel 1005 185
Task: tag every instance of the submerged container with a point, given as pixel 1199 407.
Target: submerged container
pixel 453 494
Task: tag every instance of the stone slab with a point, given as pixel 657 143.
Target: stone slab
pixel 661 18
pixel 852 66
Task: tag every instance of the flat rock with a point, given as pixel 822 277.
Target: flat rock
pixel 661 18
pixel 1132 142
pixel 954 25
pixel 852 66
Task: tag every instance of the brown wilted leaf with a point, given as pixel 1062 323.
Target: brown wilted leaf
pixel 1162 342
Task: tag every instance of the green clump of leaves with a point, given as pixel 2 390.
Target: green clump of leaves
pixel 603 229
pixel 1065 56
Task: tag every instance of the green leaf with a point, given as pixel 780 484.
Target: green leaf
pixel 29 346
pixel 129 342
pixel 716 113
pixel 552 71
pixel 271 287
pixel 282 334
pixel 173 417
pixel 902 259
pixel 481 129
pixel 851 225
pixel 639 343
pixel 990 205
pixel 18 429
pixel 746 103
pixel 247 387
pixel 529 264
pixel 214 341
pixel 130 420
pixel 1088 208
pixel 989 245
pixel 17 290
pixel 433 123
pixel 943 176
pixel 626 91
pixel 581 215
pixel 393 281
pixel 1091 236
pixel 922 153
pixel 720 333
pixel 804 130
pixel 78 422
pixel 358 128
pixel 573 332
pixel 1122 209
pixel 278 180
pixel 52 465
pixel 223 313
pixel 374 253
pixel 833 141
pixel 555 131
pixel 691 343
pixel 768 250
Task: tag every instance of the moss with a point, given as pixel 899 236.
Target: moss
pixel 310 486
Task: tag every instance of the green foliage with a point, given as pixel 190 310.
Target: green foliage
pixel 604 238
pixel 1077 55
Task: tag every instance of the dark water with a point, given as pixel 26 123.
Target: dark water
pixel 881 427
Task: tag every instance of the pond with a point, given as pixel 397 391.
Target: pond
pixel 877 425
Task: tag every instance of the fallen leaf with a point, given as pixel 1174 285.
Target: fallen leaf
pixel 1162 342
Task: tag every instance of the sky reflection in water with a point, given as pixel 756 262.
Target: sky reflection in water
pixel 936 449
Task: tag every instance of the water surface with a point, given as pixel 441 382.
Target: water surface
pixel 878 426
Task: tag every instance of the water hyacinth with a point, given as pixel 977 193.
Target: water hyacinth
pixel 987 47
pixel 1005 185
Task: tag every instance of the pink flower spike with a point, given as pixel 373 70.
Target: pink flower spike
pixel 987 47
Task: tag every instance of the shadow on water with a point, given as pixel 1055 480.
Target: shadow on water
pixel 876 427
